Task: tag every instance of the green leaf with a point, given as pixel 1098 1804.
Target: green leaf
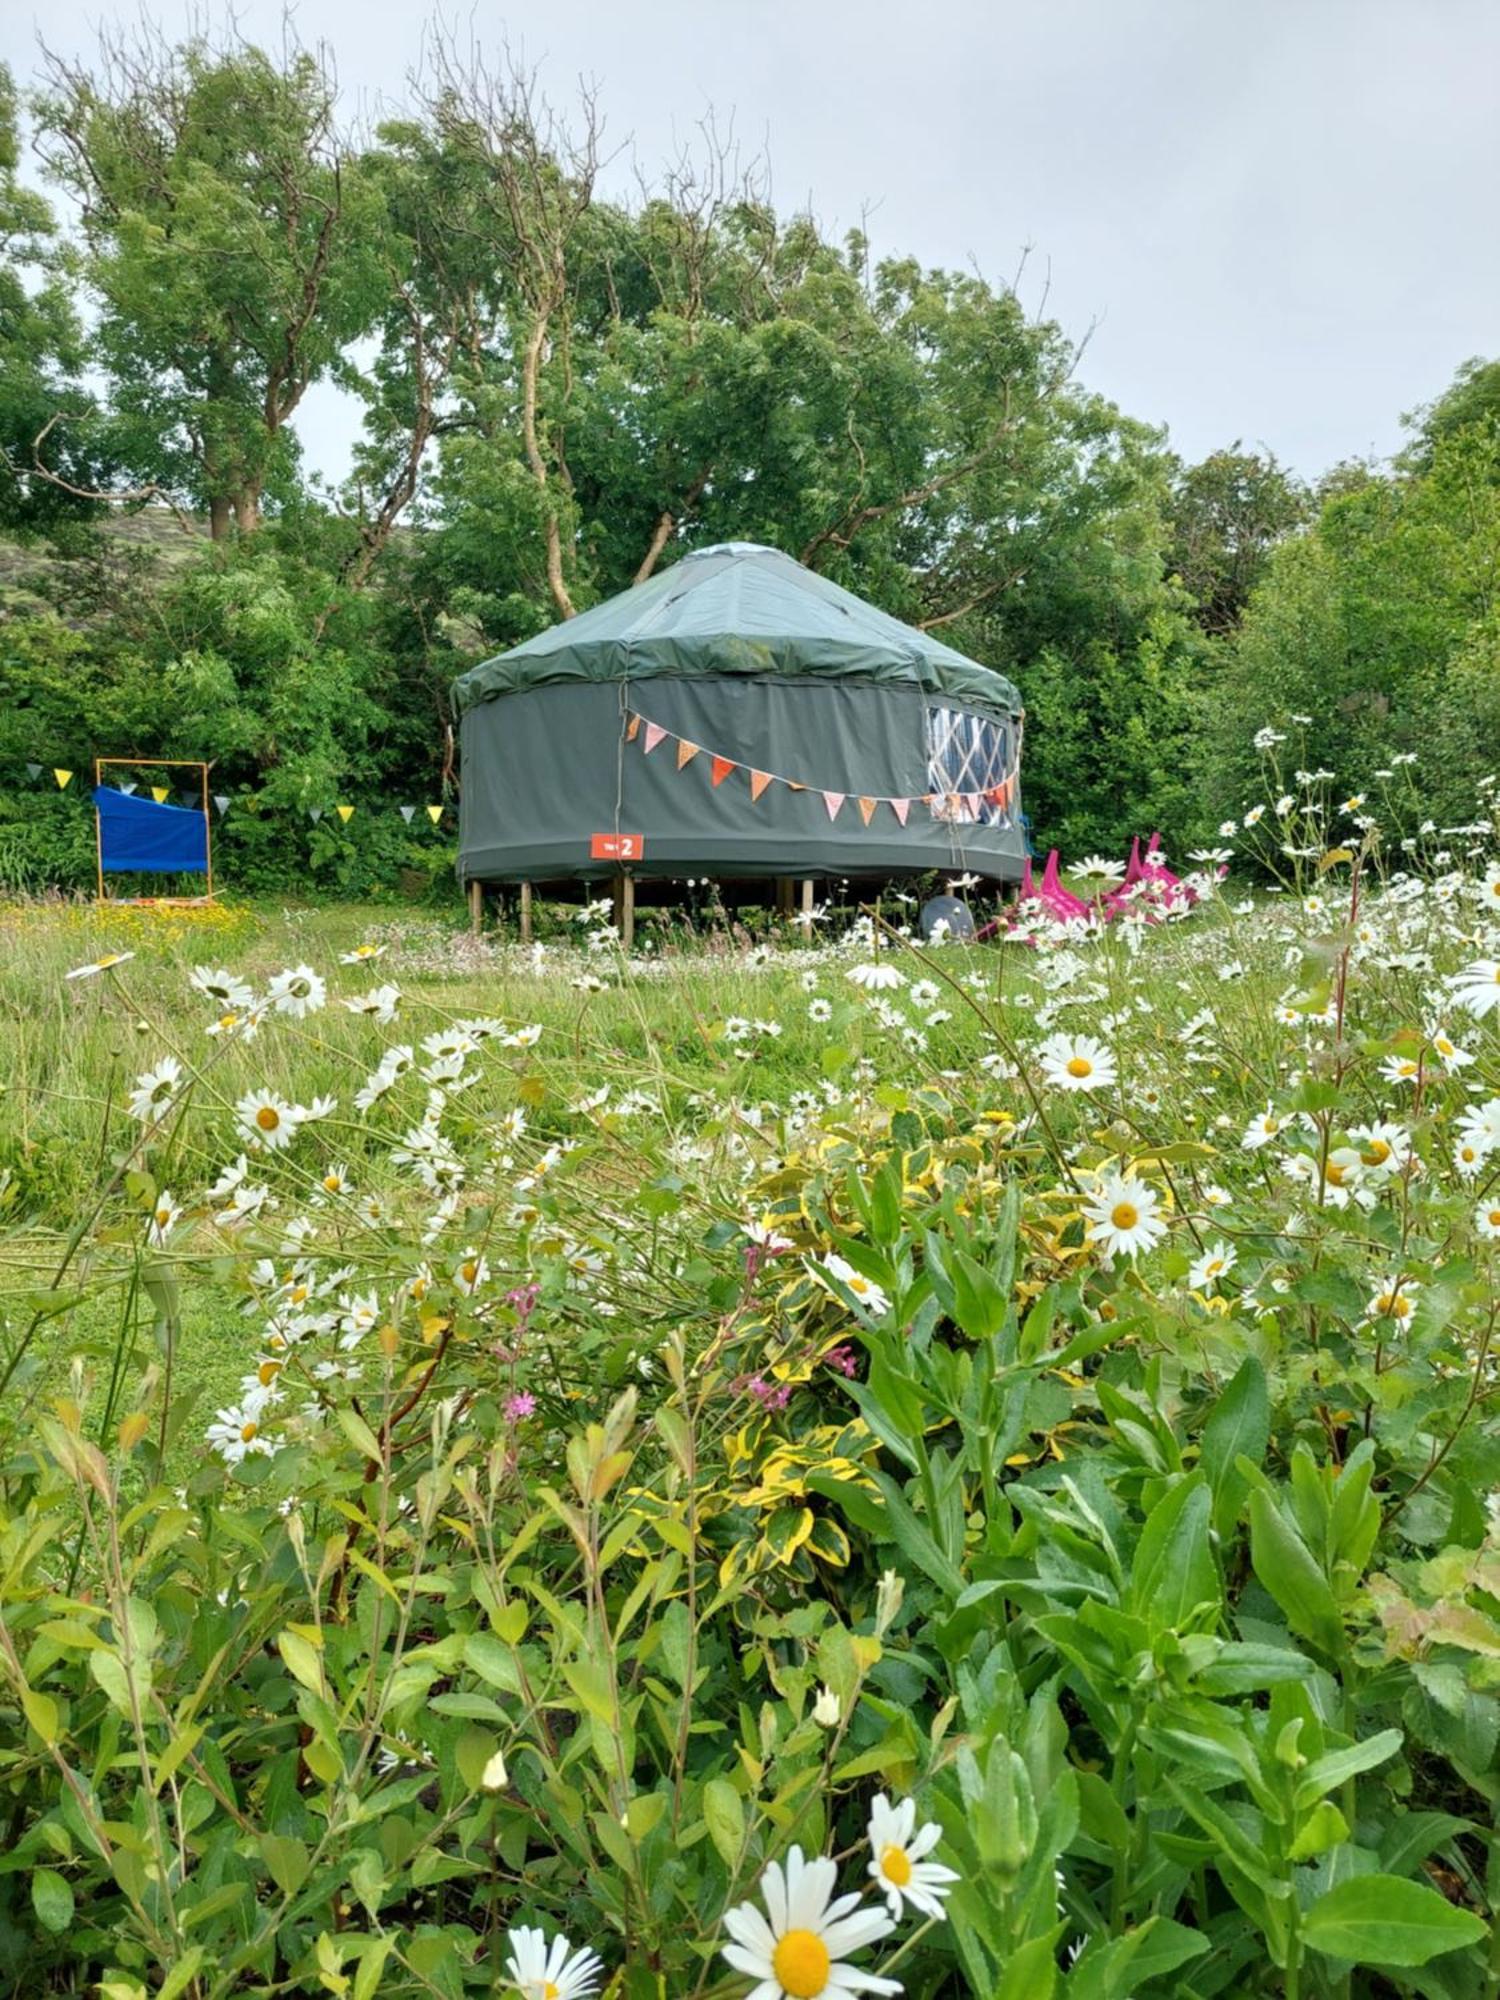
pixel 1238 1426
pixel 1283 1564
pixel 1174 1571
pixel 301 1659
pixel 286 1861
pixel 1387 1920
pixel 724 1815
pixel 1324 1827
pixel 1325 1774
pixel 52 1899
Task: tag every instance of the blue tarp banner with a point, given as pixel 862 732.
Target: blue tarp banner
pixel 138 835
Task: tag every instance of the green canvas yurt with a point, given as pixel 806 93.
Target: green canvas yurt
pixel 737 715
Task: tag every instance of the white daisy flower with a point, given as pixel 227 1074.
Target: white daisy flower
pixel 472 1272
pixel 539 1971
pixel 1477 988
pixel 865 1290
pixel 1121 1215
pixel 1487 1219
pixel 164 1216
pixel 1396 1300
pixel 298 991
pixel 226 989
pixel 876 978
pixel 899 1866
pixel 1480 1124
pixel 381 1002
pixel 361 953
pixel 796 1949
pixel 235 1434
pixel 1261 1130
pixel 1077 1062
pixel 1215 1263
pixel 267 1120
pixel 110 958
pixel 156 1091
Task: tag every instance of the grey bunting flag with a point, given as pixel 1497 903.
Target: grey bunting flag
pixel 315 813
pixel 33 770
pixel 408 813
pixel 221 800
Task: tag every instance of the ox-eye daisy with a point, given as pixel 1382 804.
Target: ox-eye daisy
pixel 1217 1261
pixel 795 1950
pixel 268 1120
pixel 1121 1216
pixel 298 991
pixel 899 1866
pixel 156 1091
pixel 865 1290
pixel 539 1971
pixel 1077 1062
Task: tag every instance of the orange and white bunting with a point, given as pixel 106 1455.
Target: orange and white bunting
pixel 943 805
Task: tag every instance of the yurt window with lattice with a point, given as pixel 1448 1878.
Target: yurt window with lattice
pixel 970 767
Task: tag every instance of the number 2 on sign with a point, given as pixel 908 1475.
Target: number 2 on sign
pixel 616 846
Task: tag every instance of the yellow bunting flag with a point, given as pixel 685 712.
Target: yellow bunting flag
pixel 160 793
pixel 686 752
pixel 632 729
pixel 345 813
pixel 434 813
pixel 64 779
pixel 758 782
pixel 867 809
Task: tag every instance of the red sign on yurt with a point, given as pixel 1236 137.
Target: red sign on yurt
pixel 616 846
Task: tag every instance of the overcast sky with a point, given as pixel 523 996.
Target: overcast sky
pixel 1277 214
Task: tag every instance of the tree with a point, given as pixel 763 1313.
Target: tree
pixel 230 239
pixel 41 348
pixel 1225 516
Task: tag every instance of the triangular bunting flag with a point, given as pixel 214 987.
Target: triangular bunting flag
pixel 758 782
pixel 833 801
pixel 686 752
pixel 221 801
pixel 632 729
pixel 654 734
pixel 64 779
pixel 160 793
pixel 33 770
pixel 408 813
pixel 900 807
pixel 315 813
pixel 345 813
pixel 722 766
pixel 434 813
pixel 867 809
pixel 792 785
pixel 129 790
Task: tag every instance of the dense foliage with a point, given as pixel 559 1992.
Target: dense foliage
pixel 540 1456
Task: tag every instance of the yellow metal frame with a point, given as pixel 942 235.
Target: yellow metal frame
pixel 158 764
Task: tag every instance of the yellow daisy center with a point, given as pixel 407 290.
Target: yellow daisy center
pixel 268 1118
pixel 1376 1153
pixel 549 1991
pixel 1080 1066
pixel 1124 1215
pixel 1494 1218
pixel 247 1432
pixel 267 1372
pixel 1214 1266
pixel 163 1217
pixel 333 1182
pixel 470 1271
pixel 859 1285
pixel 895 1865
pixel 1335 1174
pixel 801 1963
pixel 1443 1046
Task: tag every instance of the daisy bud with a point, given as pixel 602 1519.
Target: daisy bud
pixel 826 1708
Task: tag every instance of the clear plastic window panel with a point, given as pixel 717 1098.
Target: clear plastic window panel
pixel 968 760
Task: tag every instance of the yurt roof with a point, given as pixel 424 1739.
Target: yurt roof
pixel 737 608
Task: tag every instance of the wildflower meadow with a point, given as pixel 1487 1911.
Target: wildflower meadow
pixel 759 1469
